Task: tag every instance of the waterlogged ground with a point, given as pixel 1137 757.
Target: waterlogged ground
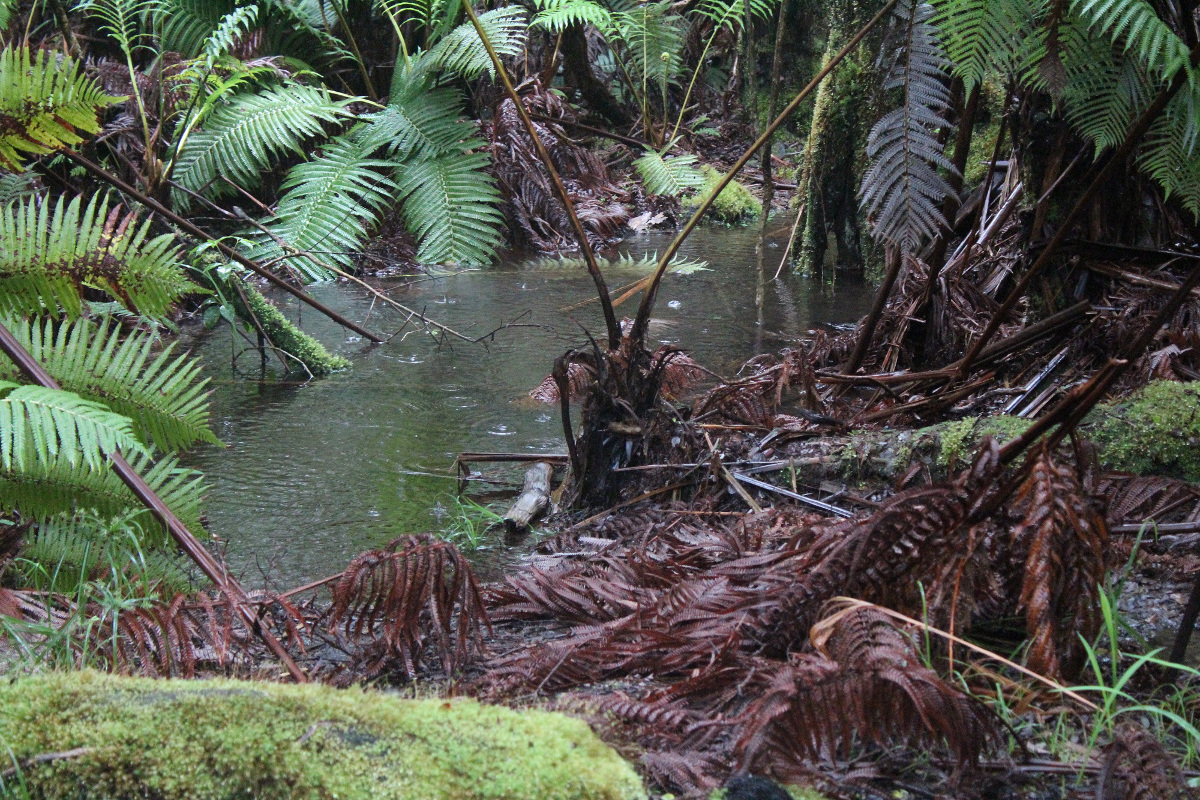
pixel 317 472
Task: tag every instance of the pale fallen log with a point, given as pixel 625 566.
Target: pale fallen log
pixel 533 499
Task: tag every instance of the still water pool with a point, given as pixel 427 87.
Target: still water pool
pixel 315 473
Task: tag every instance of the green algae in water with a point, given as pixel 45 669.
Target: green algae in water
pixel 222 739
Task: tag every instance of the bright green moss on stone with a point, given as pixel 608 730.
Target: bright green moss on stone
pixel 734 206
pixel 1154 432
pixel 218 740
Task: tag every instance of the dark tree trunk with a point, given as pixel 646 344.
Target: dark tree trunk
pixel 577 73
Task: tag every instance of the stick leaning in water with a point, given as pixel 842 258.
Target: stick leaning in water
pixel 643 315
pixel 186 540
pixel 610 317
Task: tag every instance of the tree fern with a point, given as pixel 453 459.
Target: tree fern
pixel 462 52
pixel 43 490
pixel 985 35
pixel 424 125
pixel 327 206
pixel 902 189
pixel 40 426
pixel 558 15
pixel 1134 26
pixel 652 36
pixel 450 204
pixel 188 24
pixel 669 175
pixel 732 13
pixel 163 395
pixel 1171 154
pixel 1104 92
pixel 243 138
pixel 50 251
pixel 45 103
pixel 228 32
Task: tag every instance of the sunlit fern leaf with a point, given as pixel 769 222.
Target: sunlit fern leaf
pixel 163 394
pixel 670 176
pixel 45 103
pixel 653 38
pixel 188 24
pixel 981 35
pixel 462 52
pixel 1135 27
pixel 904 187
pixel 50 251
pixel 451 206
pixel 327 206
pixel 423 125
pixel 558 15
pixel 248 134
pixel 43 490
pixel 42 426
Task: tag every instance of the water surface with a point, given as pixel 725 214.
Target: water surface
pixel 315 473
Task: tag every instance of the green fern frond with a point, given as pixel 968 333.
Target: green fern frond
pixel 327 206
pixel 450 205
pixel 7 9
pixel 462 52
pixel 188 24
pixel 43 490
pixel 244 137
pixel 67 547
pixel 652 36
pixel 424 125
pixel 1135 27
pixel 670 176
pixel 1171 154
pixel 984 35
pixel 45 104
pixel 229 31
pixel 732 13
pixel 558 15
pixel 164 395
pixel 43 426
pixel 50 251
pixel 17 185
pixel 1104 92
pixel 121 19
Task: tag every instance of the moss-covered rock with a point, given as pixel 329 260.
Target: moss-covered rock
pixel 734 206
pixel 204 740
pixel 1154 432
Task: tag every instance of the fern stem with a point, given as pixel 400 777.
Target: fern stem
pixel 610 318
pixel 1136 131
pixel 652 283
pixel 186 540
pixel 358 59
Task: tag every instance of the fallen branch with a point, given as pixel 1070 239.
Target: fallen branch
pixel 533 499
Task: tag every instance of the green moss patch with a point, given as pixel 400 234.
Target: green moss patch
pixel 202 740
pixel 734 206
pixel 1154 432
pixel 286 336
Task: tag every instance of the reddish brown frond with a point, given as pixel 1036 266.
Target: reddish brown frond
pixel 1063 540
pixel 1138 767
pixel 393 601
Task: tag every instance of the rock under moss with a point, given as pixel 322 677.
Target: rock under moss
pixel 1156 431
pixel 204 740
pixel 734 206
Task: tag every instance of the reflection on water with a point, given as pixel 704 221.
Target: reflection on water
pixel 316 473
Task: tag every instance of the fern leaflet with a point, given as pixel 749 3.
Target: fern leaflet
pixel 42 426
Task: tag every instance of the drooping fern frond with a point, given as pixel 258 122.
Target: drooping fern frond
pixel 558 15
pixel 40 426
pixel 462 52
pixel 983 35
pixel 1134 26
pixel 1104 91
pixel 241 139
pixel 45 103
pixel 327 206
pixel 904 188
pixel 188 24
pixel 732 13
pixel 670 176
pixel 43 490
pixel 423 125
pixel 451 205
pixel 1171 153
pixel 50 251
pixel 163 394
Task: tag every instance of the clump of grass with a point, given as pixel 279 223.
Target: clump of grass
pixel 469 523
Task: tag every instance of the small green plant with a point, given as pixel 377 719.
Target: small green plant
pixel 468 524
pixel 734 206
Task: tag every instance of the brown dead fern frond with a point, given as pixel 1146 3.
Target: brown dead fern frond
pixel 398 599
pixel 1137 767
pixel 1138 500
pixel 866 683
pixel 1063 540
